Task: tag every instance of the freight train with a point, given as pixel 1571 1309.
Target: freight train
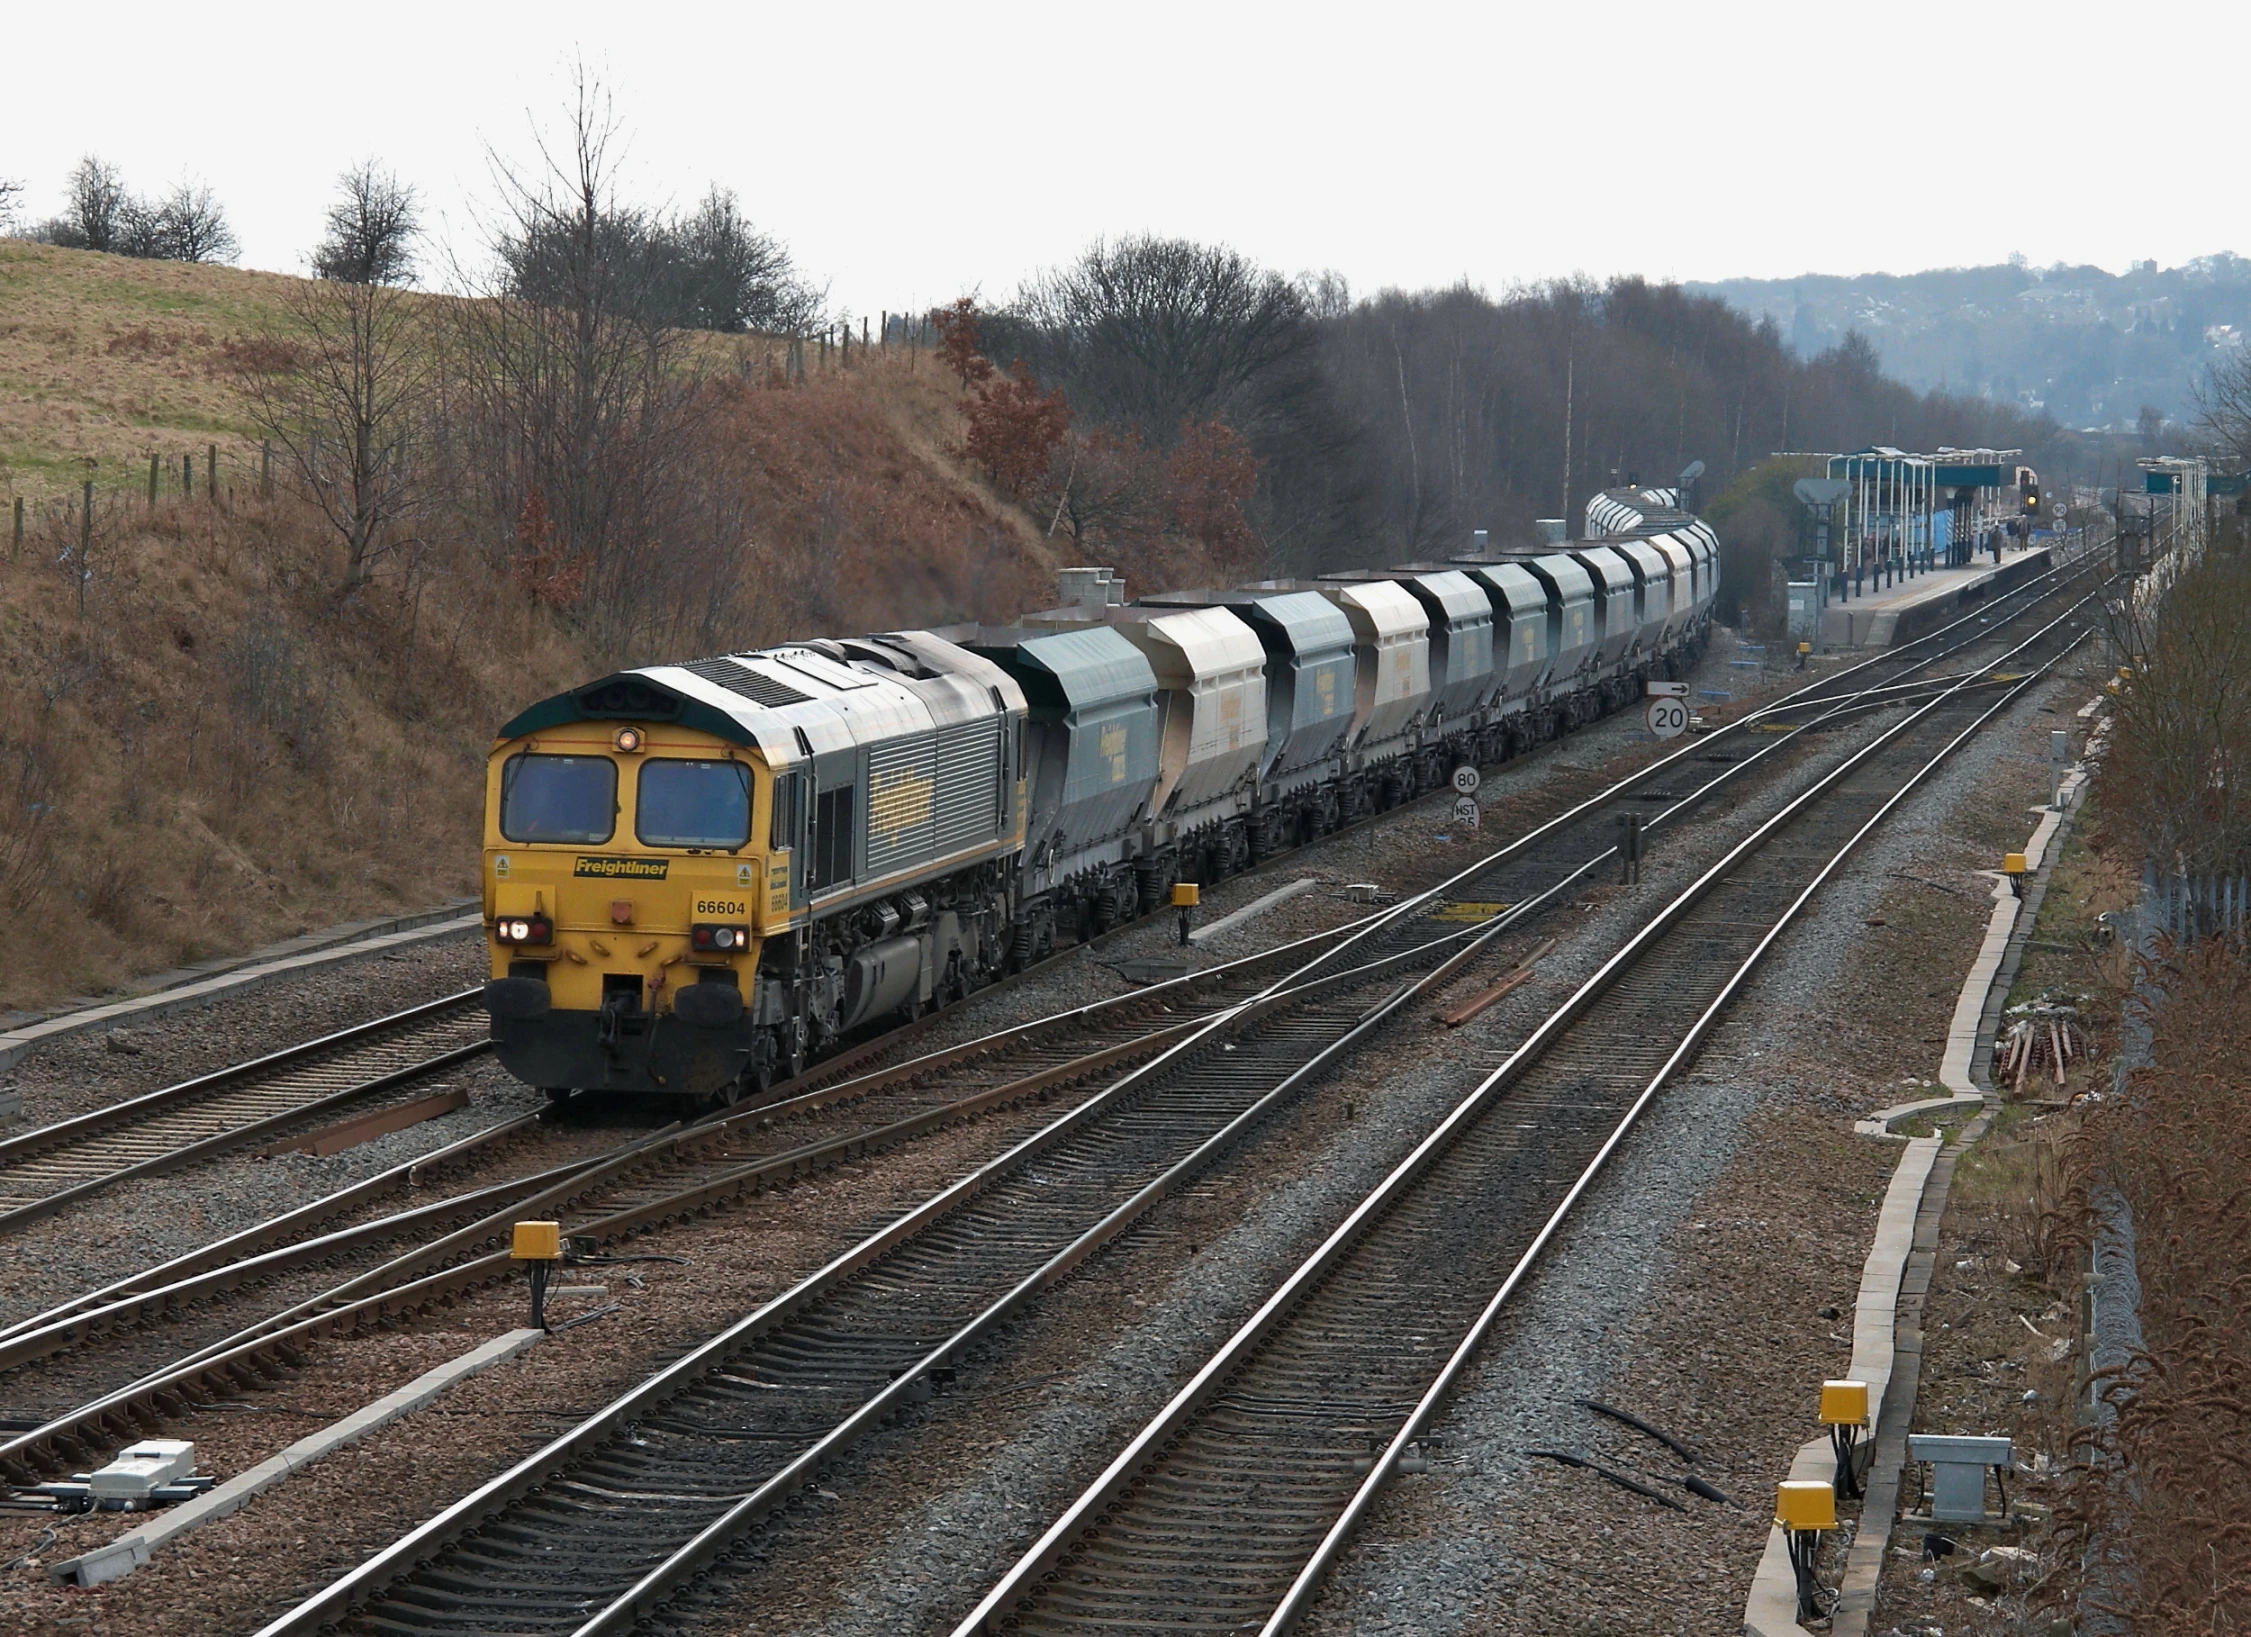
pixel 699 876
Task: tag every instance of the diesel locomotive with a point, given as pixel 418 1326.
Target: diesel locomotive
pixel 699 876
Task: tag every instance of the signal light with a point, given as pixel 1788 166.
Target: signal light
pixel 523 929
pixel 722 940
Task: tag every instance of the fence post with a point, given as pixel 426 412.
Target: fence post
pixel 211 472
pixel 85 541
pixel 17 547
pixel 152 483
pixel 187 477
pixel 266 469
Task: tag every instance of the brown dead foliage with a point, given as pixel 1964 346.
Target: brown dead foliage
pixel 256 355
pixel 211 750
pixel 852 523
pixel 2168 1487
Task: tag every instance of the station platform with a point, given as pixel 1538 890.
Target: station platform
pixel 1902 612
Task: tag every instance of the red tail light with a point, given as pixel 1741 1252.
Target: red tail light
pixel 719 940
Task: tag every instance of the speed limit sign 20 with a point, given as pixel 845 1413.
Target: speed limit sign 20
pixel 1667 718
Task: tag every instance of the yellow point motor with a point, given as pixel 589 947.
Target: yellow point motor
pixel 1844 1411
pixel 1804 1511
pixel 540 1244
pixel 1186 895
pixel 1805 1506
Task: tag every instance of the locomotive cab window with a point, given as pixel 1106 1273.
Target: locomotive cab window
pixel 693 804
pixel 558 798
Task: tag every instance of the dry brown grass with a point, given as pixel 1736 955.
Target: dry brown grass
pixel 2170 1485
pixel 216 752
pixel 862 516
pixel 106 360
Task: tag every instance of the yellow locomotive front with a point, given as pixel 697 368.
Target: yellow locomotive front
pixel 627 893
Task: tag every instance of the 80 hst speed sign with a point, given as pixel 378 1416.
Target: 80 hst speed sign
pixel 1667 718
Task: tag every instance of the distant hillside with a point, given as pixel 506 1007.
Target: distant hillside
pixel 2088 347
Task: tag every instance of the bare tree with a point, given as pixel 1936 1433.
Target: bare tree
pixel 103 214
pixel 732 277
pixel 707 270
pixel 2176 769
pixel 372 227
pixel 93 213
pixel 2223 408
pixel 1157 331
pixel 574 396
pixel 191 226
pixel 344 410
pixel 11 197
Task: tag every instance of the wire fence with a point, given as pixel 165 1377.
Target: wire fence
pixel 2188 908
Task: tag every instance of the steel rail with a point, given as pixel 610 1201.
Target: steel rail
pixel 1302 1591
pixel 414 1280
pixel 133 1109
pixel 245 1242
pixel 1080 1519
pixel 47 1145
pixel 418 1276
pixel 527 1474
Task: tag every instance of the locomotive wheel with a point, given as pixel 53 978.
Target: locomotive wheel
pixel 557 1096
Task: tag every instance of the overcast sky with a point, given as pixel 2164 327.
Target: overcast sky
pixel 909 153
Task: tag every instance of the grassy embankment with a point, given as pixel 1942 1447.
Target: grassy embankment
pixel 202 747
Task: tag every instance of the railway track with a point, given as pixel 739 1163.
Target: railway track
pixel 44 1170
pixel 1227 1510
pixel 454 1245
pixel 598 1529
pixel 621 1199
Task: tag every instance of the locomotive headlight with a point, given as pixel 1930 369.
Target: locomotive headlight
pixel 628 740
pixel 720 940
pixel 523 929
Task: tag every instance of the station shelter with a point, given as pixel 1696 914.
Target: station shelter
pixel 1904 514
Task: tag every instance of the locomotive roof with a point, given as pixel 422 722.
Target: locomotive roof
pixel 793 701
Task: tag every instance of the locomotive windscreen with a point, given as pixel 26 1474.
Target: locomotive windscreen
pixel 693 804
pixel 558 798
